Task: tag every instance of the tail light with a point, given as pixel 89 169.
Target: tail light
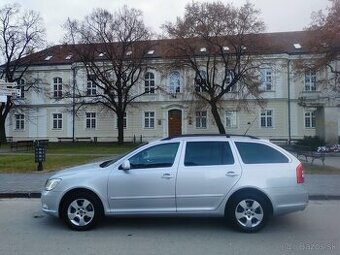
pixel 300 178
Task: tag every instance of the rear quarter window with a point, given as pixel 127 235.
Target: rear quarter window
pixel 256 153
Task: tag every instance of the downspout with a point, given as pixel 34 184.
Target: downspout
pixel 73 102
pixel 289 108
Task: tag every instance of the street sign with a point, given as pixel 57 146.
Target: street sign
pixel 8 89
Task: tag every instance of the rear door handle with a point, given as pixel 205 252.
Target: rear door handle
pixel 231 174
pixel 167 176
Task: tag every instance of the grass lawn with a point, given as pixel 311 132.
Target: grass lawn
pixel 59 156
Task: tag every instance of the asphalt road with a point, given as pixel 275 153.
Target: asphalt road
pixel 24 229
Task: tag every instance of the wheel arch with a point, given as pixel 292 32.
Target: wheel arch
pixel 79 190
pixel 249 190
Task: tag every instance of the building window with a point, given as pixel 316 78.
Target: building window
pixel 200 81
pixel 229 76
pixel 21 87
pixel 149 83
pixel 310 119
pixel 149 119
pixel 266 79
pixel 201 119
pixel 91 120
pixel 57 87
pixel 124 121
pixel 175 82
pixel 231 119
pixel 267 118
pixel 310 80
pixel 19 121
pixel 57 120
pixel 91 87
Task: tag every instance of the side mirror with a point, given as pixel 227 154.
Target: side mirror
pixel 125 165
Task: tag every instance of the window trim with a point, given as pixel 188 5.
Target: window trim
pixel 311 117
pixel 62 124
pixel 311 84
pixel 91 119
pixel 180 82
pixel 266 116
pixel 264 80
pixel 21 122
pixel 236 119
pixel 57 87
pixel 147 83
pixel 154 120
pixel 201 118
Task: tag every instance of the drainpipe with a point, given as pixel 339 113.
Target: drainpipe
pixel 73 101
pixel 289 100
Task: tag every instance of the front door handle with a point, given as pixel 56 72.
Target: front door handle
pixel 167 176
pixel 231 174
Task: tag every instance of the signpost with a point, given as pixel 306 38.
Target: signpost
pixel 8 89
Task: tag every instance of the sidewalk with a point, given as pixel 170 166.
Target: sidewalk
pixel 320 187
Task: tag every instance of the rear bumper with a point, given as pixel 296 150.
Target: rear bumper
pixel 288 199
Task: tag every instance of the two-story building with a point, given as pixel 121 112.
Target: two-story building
pixel 297 104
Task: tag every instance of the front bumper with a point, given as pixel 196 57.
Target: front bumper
pixel 50 202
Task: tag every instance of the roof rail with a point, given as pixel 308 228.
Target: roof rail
pixel 207 135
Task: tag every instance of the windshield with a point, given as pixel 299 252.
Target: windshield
pixel 118 157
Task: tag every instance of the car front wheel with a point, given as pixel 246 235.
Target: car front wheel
pixel 248 213
pixel 81 211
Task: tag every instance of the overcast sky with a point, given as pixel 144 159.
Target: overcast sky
pixel 279 15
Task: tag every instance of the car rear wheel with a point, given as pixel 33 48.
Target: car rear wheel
pixel 248 212
pixel 81 211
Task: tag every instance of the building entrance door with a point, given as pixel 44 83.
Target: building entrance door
pixel 174 122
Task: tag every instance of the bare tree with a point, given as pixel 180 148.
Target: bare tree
pixel 20 34
pixel 212 39
pixel 324 41
pixel 112 49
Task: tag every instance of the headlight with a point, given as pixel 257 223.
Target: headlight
pixel 52 183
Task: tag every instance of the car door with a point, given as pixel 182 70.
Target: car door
pixel 149 185
pixel 205 175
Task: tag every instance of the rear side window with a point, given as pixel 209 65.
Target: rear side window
pixel 256 153
pixel 208 154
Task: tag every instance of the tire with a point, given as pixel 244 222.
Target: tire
pixel 248 212
pixel 81 211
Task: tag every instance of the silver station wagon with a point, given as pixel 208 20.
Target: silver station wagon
pixel 244 179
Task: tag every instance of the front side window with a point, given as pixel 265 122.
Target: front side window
pixel 208 154
pixel 266 79
pixel 149 119
pixel 57 121
pixel 310 119
pixel 19 121
pixel 231 119
pixel 57 87
pixel 310 80
pixel 267 118
pixel 162 155
pixel 175 82
pixel 256 153
pixel 91 87
pixel 149 81
pixel 201 119
pixel 91 120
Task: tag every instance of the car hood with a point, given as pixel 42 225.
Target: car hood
pixel 78 169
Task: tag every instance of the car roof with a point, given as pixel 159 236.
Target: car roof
pixel 207 137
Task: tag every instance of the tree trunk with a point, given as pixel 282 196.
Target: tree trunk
pixel 217 118
pixel 120 125
pixel 3 138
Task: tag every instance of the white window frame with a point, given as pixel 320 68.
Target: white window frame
pixel 203 74
pixel 229 78
pixel 149 83
pixel 57 118
pixel 201 120
pixel 21 86
pixel 19 122
pixel 309 117
pixel 91 87
pixel 310 81
pixel 264 114
pixel 233 119
pixel 175 88
pixel 267 79
pixel 57 87
pixel 90 120
pixel 149 120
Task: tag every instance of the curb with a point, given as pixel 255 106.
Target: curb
pixel 38 195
